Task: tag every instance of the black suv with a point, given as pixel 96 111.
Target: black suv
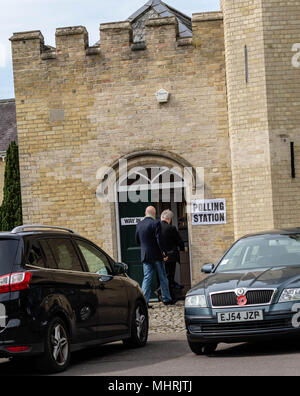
pixel 59 293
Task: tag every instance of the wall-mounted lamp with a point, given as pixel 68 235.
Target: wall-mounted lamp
pixel 162 96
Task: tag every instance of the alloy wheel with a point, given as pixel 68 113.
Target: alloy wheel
pixel 60 345
pixel 140 323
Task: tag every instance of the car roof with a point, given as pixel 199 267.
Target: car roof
pixel 26 230
pixel 283 231
pixel 19 235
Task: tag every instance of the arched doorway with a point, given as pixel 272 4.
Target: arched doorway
pixel 164 188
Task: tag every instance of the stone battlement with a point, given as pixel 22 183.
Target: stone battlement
pixel 116 37
pixel 82 106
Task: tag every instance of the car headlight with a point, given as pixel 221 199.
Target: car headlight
pixel 290 295
pixel 196 301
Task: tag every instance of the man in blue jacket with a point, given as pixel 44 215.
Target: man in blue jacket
pixel 148 236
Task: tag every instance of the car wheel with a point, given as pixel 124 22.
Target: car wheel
pixel 56 357
pixel 139 327
pixel 202 349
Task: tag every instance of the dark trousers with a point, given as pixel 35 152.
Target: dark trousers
pixel 170 271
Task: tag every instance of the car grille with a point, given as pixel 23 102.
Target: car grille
pixel 245 326
pixel 254 297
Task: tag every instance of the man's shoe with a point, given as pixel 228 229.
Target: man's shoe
pixel 170 302
pixel 177 286
pixel 158 294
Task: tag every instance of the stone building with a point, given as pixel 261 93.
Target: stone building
pixel 231 108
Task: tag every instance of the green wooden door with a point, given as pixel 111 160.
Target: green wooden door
pixel 129 214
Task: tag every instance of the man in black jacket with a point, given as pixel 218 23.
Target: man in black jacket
pixel 172 242
pixel 148 236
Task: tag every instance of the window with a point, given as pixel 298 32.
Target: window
pixel 97 261
pixel 293 169
pixel 8 251
pixel 50 262
pixel 246 64
pixel 65 254
pixel 35 256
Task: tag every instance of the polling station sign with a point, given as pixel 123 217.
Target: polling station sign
pixel 208 212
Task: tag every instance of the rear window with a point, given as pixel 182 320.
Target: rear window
pixel 8 251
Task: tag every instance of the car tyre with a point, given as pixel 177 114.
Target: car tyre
pixel 56 357
pixel 139 327
pixel 210 348
pixel 202 349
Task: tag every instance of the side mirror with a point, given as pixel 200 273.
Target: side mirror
pixel 105 278
pixel 208 268
pixel 121 268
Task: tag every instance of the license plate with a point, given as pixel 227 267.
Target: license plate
pixel 243 316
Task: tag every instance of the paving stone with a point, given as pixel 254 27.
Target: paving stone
pixel 167 319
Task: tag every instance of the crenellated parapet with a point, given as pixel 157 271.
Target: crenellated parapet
pixel 116 39
pixel 161 33
pixel 207 30
pixel 27 45
pixel 71 41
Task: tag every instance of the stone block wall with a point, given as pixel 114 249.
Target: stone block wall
pixel 80 108
pixel 248 116
pixel 264 112
pixel 281 23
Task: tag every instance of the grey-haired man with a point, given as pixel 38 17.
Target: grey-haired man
pixel 173 243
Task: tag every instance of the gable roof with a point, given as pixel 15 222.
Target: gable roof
pixel 8 123
pixel 157 9
pixel 164 10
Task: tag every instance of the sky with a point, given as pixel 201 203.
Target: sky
pixel 47 15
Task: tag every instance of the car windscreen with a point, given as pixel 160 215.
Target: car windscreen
pixel 8 251
pixel 261 252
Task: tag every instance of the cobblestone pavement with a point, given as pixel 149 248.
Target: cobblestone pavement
pixel 167 319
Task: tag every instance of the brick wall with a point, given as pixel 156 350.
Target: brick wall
pixel 80 108
pixel 281 22
pixel 264 111
pixel 248 116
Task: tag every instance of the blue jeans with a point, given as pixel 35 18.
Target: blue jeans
pixel 149 268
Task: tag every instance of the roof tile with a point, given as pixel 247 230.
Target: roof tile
pixel 8 123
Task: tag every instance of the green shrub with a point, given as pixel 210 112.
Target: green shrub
pixel 11 209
